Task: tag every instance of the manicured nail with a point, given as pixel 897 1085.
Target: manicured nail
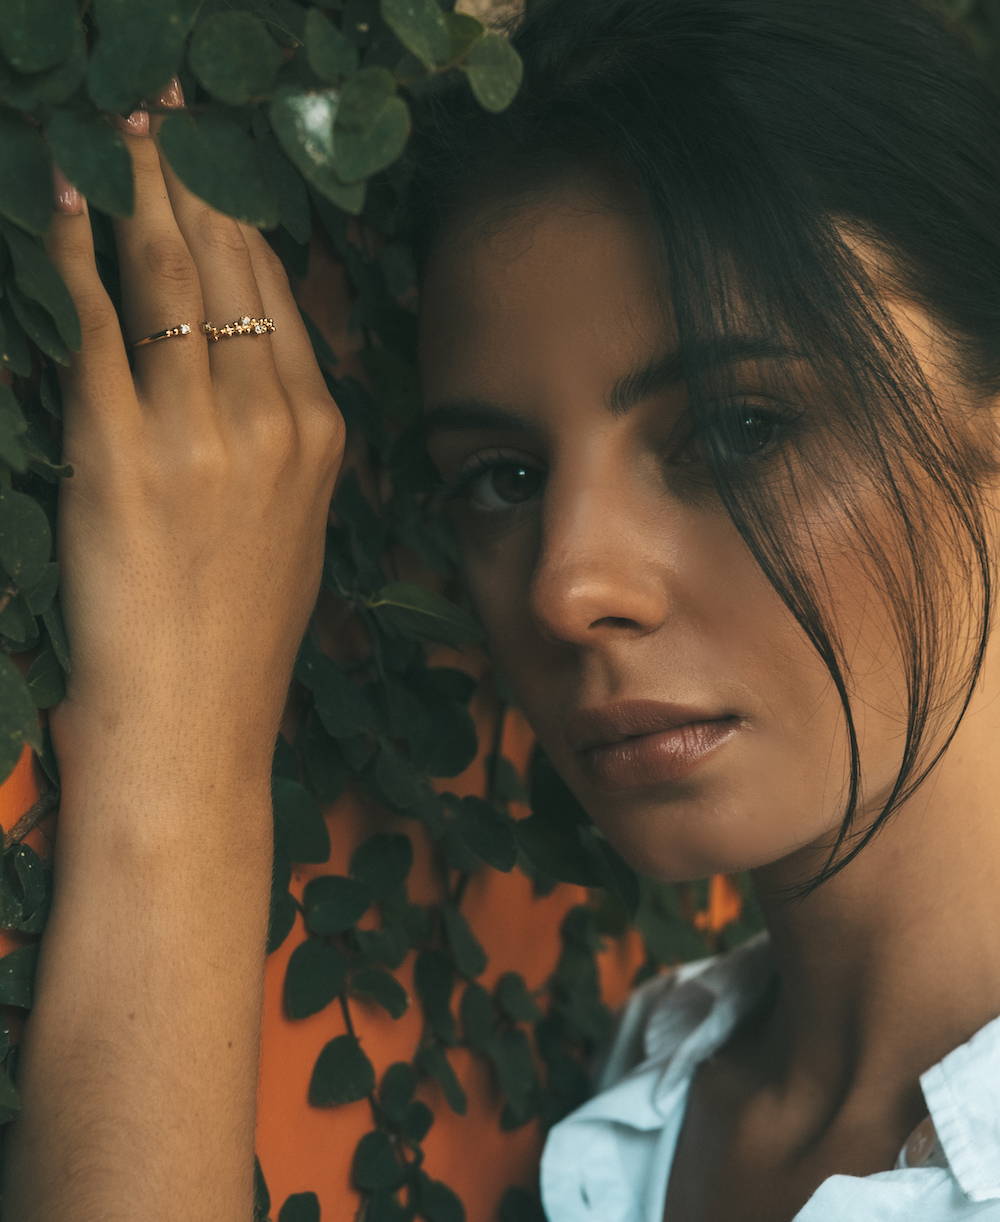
pixel 68 198
pixel 172 95
pixel 136 124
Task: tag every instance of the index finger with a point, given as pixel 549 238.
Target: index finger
pixel 99 374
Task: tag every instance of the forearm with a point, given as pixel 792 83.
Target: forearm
pixel 138 1063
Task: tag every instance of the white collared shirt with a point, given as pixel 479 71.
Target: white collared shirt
pixel 609 1161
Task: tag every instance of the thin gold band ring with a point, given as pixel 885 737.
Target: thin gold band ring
pixel 181 329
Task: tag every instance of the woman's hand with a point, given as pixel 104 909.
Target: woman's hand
pixel 191 533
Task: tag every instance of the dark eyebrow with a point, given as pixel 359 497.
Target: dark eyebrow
pixel 632 388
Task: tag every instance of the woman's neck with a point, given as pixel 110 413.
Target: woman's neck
pixel 895 960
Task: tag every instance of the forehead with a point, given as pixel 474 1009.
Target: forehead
pixel 567 288
pixel 557 281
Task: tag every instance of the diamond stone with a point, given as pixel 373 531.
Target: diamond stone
pixel 245 320
pixel 258 330
pixel 185 329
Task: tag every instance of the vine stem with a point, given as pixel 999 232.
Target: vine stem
pixel 31 818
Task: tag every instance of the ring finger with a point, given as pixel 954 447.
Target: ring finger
pixel 159 279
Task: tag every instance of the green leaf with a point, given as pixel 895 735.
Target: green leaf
pixel 379 986
pixel 507 783
pixel 383 1207
pixel 478 1017
pixel 25 537
pixel 512 1059
pixel 488 832
pixel 495 71
pixel 37 324
pixel 17 975
pixel 395 779
pixel 433 979
pixel 396 1090
pixel 382 863
pixel 94 157
pixel 27 887
pixel 550 796
pixel 463 30
pixel 417 1122
pixel 331 55
pixel 303 123
pixel 437 1201
pixel 261 1195
pixel 13 427
pixel 234 56
pixel 299 821
pixel 556 852
pixel 314 977
pixel 37 278
pixel 300 1207
pixel 469 954
pixel 49 88
pixel 16 355
pixel 375 1164
pixel 438 726
pixel 52 619
pixel 342 705
pixel 280 918
pixel 413 610
pixel 18 624
pixel 139 47
pixel 515 1000
pixel 26 191
pixel 334 903
pixel 217 160
pixel 45 679
pixel 326 770
pixel 420 26
pixel 342 1073
pixel 615 873
pixel 285 182
pixel 432 1061
pixel 39 595
pixel 387 945
pixel 372 124
pixel 37 34
pixel 519 1205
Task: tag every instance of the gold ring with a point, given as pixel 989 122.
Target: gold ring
pixel 239 326
pixel 182 329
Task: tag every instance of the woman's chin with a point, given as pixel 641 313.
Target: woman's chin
pixel 687 839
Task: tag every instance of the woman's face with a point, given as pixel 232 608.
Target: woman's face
pixel 600 579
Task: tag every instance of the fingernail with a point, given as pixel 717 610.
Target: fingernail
pixel 68 198
pixel 172 95
pixel 136 124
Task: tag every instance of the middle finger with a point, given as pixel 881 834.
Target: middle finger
pixel 242 365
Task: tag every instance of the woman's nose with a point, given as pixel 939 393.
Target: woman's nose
pixel 601 565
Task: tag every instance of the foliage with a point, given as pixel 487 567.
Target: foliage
pixel 296 118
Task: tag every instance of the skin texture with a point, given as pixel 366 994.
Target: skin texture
pixel 609 581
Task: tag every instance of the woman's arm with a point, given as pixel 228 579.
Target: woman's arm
pixel 139 1060
pixel 190 539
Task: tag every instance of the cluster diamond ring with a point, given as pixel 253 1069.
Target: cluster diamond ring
pixel 239 326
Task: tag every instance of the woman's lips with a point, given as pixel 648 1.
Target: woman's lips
pixel 667 755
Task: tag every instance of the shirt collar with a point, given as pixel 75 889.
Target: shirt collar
pixel 691 1011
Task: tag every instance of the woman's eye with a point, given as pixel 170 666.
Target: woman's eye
pixel 734 436
pixel 493 484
